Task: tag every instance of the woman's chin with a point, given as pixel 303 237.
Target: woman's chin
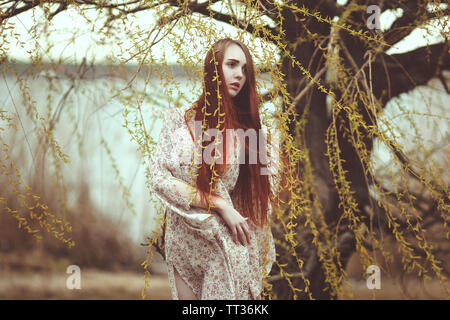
pixel 233 93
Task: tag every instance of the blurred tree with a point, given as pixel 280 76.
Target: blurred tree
pixel 332 81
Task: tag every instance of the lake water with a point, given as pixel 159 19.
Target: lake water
pixel 92 113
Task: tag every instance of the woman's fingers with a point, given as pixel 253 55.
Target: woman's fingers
pixel 244 234
pixel 247 232
pixel 239 228
pixel 234 232
pixel 241 233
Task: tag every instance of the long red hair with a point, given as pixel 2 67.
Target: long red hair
pixel 215 108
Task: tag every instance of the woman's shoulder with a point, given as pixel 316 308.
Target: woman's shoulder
pixel 175 116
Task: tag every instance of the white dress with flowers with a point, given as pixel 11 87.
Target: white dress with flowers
pixel 199 245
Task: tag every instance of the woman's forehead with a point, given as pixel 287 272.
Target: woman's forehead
pixel 234 52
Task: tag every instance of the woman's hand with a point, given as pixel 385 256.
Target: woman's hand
pixel 237 224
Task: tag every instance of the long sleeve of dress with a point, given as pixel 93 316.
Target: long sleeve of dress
pixel 173 192
pixel 169 163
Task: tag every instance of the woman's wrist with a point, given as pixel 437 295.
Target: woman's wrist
pixel 220 204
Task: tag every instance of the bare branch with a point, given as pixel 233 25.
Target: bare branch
pixel 205 10
pixel 403 26
pixel 62 7
pixel 407 70
pixel 267 8
pixel 306 89
pixel 13 10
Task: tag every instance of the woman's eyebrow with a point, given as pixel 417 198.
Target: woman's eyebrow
pixel 236 60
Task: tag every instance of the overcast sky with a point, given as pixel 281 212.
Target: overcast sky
pixel 73 39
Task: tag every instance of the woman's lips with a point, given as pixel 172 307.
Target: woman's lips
pixel 235 86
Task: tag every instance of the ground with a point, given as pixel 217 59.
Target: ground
pixel 97 284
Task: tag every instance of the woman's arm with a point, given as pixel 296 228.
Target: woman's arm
pixel 173 192
pixel 187 191
pixel 237 224
pixel 181 196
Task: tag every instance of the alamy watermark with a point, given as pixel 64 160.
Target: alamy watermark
pixel 74 280
pixel 257 143
pixel 373 22
pixel 374 280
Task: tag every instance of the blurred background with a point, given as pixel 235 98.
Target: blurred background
pixel 81 101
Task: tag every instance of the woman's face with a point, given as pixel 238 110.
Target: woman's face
pixel 234 69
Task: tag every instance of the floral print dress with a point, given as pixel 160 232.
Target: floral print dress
pixel 199 245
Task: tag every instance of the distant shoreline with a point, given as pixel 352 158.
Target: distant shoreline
pixel 104 70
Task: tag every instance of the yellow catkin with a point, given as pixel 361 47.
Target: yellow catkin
pixel 300 215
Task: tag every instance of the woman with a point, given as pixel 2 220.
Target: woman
pixel 218 243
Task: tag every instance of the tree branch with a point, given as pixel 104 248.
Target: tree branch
pixel 408 70
pixel 328 8
pixel 63 4
pixel 62 7
pixel 14 11
pixel 205 10
pixel 267 8
pixel 403 26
